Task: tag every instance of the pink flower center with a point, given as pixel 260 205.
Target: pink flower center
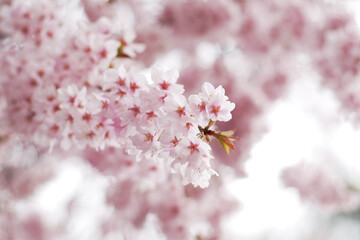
pixel 149 137
pixel 215 110
pixel 181 111
pixel 151 115
pixel 87 117
pixel 175 141
pixel 135 109
pixel 202 106
pixel 164 85
pixel 133 86
pixel 193 147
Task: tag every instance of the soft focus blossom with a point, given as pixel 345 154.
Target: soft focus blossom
pixel 83 83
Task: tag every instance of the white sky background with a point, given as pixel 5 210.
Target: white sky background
pixel 269 211
pixel 295 131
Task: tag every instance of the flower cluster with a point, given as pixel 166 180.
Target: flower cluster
pixel 73 90
pixel 147 120
pixel 78 95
